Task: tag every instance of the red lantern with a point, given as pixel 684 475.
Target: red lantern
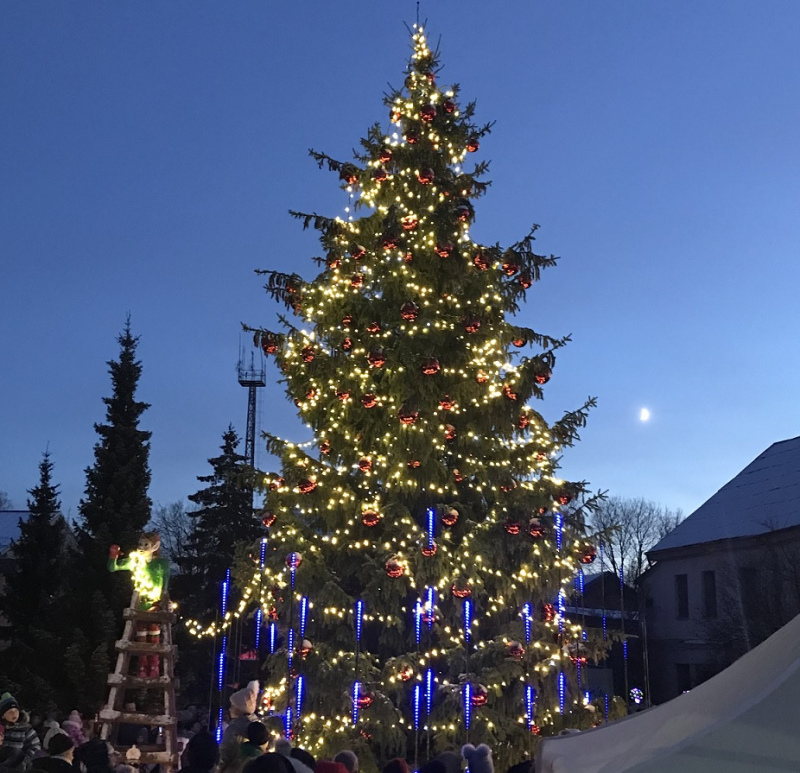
pixel 472 144
pixel 414 464
pixel 548 613
pixel 480 695
pixel 444 249
pixel 427 113
pixel 481 262
pixel 450 432
pixel 347 344
pixel 471 324
pixel 429 550
pixel 369 400
pixel 589 554
pixel 426 176
pixel 293 560
pixel 394 567
pixel 509 392
pixel 525 279
pixel 515 650
pixel 431 367
pixel 349 174
pixel 385 156
pixel 357 280
pixel 450 516
pixel 461 591
pixel 325 447
pixel 374 327
pixel 268 519
pixel 269 344
pixel 535 528
pixel 379 174
pixel 347 320
pixel 357 252
pixel 377 359
pixel 448 106
pixel 510 267
pixel 370 518
pixel 512 526
pixel 446 404
pixel 390 242
pixel 343 395
pixel 543 376
pixel 409 223
pixel 409 311
pixel 412 138
pixel 523 421
pixel 307 353
pixel 407 416
pixel 365 464
pixel 306 485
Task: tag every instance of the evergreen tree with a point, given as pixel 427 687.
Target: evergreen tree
pixel 429 498
pixel 115 510
pixel 223 519
pixel 33 598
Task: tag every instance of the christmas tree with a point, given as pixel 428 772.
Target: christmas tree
pixel 419 550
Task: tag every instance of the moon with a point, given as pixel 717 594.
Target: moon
pixel 644 415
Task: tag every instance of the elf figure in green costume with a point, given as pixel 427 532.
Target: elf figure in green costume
pixel 150 575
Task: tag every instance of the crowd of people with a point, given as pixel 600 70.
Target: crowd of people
pixel 29 745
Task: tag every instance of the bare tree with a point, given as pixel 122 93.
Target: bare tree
pixel 629 528
pixel 5 501
pixel 174 525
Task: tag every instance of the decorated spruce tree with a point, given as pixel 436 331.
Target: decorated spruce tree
pixel 419 551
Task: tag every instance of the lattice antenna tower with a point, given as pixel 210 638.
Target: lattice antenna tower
pixel 251 377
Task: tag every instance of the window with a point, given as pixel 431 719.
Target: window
pixel 709 595
pixel 682 595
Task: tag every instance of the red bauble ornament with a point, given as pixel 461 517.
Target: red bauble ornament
pixel 543 376
pixel 357 280
pixel 347 344
pixel 523 421
pixel 512 526
pixel 334 263
pixel 293 560
pixel 385 156
pixel 446 404
pixel 377 359
pixel 564 497
pixel 444 249
pixel 394 567
pixel 357 251
pixel 481 378
pixel 365 700
pixel 390 242
pixel 409 311
pixel 349 174
pixel 429 550
pixel 268 519
pixel 269 344
pixel 525 279
pixel 370 518
pixel 510 267
pixel 325 447
pixel 374 327
pixel 272 613
pixel 307 353
pixel 405 673
pixel 414 464
pixel 343 395
pixel 481 262
pixel 588 554
pixel 536 730
pixel 480 695
pixel 472 144
pixel 306 485
pixel 395 115
pixel 427 113
pixel 412 138
pixel 459 478
pixel 431 367
pixel 409 223
pixel 311 394
pixel 515 650
pixel 408 416
pixel 548 613
pixel 518 342
pixel 450 432
pixel 464 213
pixel 508 485
pixel 448 106
pixel 306 647
pixel 347 320
pixel 510 393
pixel 535 528
pixel 450 516
pixel 276 483
pixel 408 257
pixel 461 591
pixel 365 464
pixel 471 324
pixel 379 174
pixel 369 400
pixel 426 176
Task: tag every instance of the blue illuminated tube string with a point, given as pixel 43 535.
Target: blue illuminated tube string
pixel 526 618
pixel 290 647
pixel 431 522
pixel 303 616
pixel 287 722
pixel 299 698
pixel 273 637
pixel 418 621
pixel 430 603
pixel 417 704
pixel 359 618
pixel 530 698
pixel 356 691
pixel 428 691
pixel 467 620
pixel 467 705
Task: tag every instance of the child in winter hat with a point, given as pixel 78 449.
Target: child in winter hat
pixel 20 742
pixel 479 760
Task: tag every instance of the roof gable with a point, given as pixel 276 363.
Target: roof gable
pixel 763 497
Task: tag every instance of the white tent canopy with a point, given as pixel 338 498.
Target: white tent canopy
pixel 743 720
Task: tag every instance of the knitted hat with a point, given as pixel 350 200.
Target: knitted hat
pixel 244 701
pixel 257 733
pixel 60 743
pixel 348 759
pixel 479 760
pixel 7 701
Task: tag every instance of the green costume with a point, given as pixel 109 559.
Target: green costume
pixel 150 575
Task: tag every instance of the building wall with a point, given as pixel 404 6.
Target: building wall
pixel 755 590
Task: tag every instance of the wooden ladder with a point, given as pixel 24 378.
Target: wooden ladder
pixel 165 751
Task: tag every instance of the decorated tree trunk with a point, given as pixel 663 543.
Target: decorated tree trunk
pixel 419 551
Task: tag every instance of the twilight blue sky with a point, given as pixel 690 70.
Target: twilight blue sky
pixel 149 152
